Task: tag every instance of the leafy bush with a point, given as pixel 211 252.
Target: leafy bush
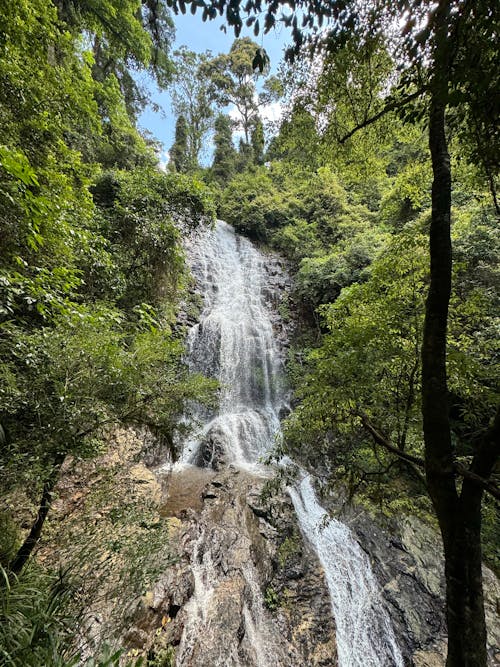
pixel 255 206
pixel 34 625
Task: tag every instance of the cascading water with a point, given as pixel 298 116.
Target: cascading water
pixel 365 637
pixel 234 342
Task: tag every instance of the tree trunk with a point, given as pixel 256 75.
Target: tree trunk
pixel 459 516
pixel 26 549
pixel 464 591
pixel 464 573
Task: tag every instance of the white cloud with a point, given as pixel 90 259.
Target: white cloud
pixel 164 160
pixel 271 112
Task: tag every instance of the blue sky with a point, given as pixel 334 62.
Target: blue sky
pixel 199 36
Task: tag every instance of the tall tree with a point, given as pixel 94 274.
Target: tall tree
pixel 436 68
pixel 244 156
pixel 224 162
pixel 234 77
pixel 193 98
pixel 179 153
pixel 258 141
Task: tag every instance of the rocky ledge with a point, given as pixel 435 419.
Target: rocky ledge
pixel 245 589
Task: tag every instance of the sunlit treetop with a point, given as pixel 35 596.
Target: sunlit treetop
pixel 462 36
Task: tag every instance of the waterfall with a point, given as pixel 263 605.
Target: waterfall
pixel 365 637
pixel 234 342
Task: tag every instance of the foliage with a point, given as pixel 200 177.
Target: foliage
pixel 234 79
pixel 91 269
pixel 271 599
pixel 179 158
pixel 37 622
pixel 288 548
pixel 258 142
pixel 163 658
pixel 368 363
pixel 409 194
pixel 224 162
pixel 298 140
pixel 253 205
pixel 142 223
pixel 34 625
pixel 137 35
pixel 193 98
pixel 473 357
pixel 121 145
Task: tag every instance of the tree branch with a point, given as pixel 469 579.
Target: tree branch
pixel 485 459
pixel 386 444
pixel 485 484
pixel 391 106
pixel 31 540
pixel 492 438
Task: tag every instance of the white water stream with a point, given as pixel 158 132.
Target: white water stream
pixel 234 342
pixel 365 637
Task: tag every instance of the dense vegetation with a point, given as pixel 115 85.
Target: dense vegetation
pixel 92 270
pixel 358 245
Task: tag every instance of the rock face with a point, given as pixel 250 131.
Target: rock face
pixel 407 557
pixel 106 529
pixel 245 590
pixel 407 562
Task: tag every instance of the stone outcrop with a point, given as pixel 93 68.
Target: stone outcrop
pixel 245 590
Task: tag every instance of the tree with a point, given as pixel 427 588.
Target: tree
pixel 297 140
pixel 193 98
pixel 258 142
pixel 138 35
pixel 84 374
pixel 82 250
pixel 244 156
pixel 437 78
pixel 179 155
pixel 366 370
pixel 224 162
pixel 234 79
pixel 69 368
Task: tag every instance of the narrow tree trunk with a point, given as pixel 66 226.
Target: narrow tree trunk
pixel 459 516
pixel 435 410
pixel 26 549
pixel 464 591
pixel 466 581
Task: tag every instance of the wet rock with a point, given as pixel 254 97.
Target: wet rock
pixel 407 561
pixel 259 510
pixel 406 555
pixel 246 591
pixel 491 585
pixel 211 453
pixel 304 612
